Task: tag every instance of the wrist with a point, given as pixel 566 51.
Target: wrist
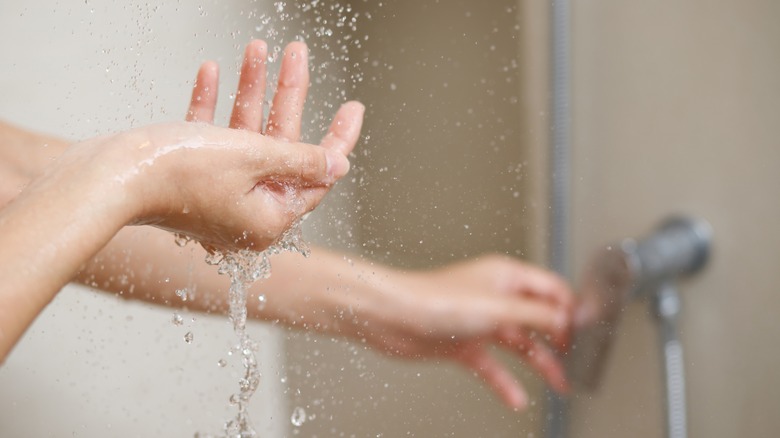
pixel 85 179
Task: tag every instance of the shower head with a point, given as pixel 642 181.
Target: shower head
pixel 619 273
pixel 678 248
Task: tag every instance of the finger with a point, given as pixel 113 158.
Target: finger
pixel 248 107
pixel 284 120
pixel 543 284
pixel 204 94
pixel 496 376
pixel 538 357
pixel 345 129
pixel 302 164
pixel 536 316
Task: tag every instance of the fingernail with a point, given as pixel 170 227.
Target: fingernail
pixel 338 164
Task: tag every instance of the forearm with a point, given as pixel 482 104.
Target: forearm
pixel 330 293
pixel 23 155
pixel 27 152
pixel 46 233
pixel 326 291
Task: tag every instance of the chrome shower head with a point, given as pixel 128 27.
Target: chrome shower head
pixel 617 274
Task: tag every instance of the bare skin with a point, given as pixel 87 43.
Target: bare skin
pixel 456 312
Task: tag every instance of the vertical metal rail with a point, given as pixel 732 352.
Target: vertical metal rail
pixel 556 418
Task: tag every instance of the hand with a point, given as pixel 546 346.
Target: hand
pixel 226 188
pixel 457 312
pixel 284 122
pixel 281 196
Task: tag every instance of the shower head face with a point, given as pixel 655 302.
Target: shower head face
pixel 678 248
pixel 605 290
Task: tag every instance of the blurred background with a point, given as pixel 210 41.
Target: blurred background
pixel 674 110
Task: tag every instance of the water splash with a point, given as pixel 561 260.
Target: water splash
pixel 331 31
pixel 244 267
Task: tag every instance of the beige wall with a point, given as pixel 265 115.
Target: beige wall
pixel 676 110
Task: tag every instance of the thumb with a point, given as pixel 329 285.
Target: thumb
pixel 304 163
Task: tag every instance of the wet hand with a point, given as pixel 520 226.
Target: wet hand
pixel 285 115
pixel 224 187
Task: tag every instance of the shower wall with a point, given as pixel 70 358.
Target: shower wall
pixel 676 111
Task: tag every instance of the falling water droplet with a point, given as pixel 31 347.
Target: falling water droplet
pixel 261 302
pixel 221 363
pixel 177 319
pixel 298 417
pixel 188 337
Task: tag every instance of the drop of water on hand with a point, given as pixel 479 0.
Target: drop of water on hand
pixel 182 293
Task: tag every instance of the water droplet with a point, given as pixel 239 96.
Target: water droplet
pixel 177 319
pixel 261 302
pixel 182 293
pixel 188 337
pixel 222 363
pixel 298 417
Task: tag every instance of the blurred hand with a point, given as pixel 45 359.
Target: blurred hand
pixel 459 311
